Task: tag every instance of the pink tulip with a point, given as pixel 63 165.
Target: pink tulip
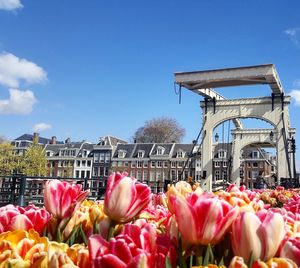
pixel 61 198
pixel 18 218
pixel 124 199
pixel 291 250
pixel 203 219
pixel 259 233
pixel 120 251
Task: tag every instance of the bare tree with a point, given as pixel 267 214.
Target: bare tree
pixel 159 130
pixel 3 139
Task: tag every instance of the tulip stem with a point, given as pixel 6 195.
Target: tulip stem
pixel 111 229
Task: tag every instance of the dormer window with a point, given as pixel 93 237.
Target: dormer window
pixel 141 154
pixel 222 154
pixel 121 153
pixel 180 154
pixel 160 150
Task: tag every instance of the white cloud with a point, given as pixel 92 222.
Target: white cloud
pixel 10 4
pixel 296 95
pixel 19 102
pixel 41 127
pixel 296 83
pixel 293 34
pixel 14 69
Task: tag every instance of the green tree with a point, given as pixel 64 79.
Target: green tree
pixel 8 160
pixel 34 162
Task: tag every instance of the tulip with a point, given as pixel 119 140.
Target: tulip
pixel 124 199
pixel 291 250
pixel 120 251
pixel 258 234
pixel 237 262
pixel 61 198
pixel 17 218
pixel 203 219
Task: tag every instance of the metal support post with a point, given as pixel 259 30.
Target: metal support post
pixel 21 198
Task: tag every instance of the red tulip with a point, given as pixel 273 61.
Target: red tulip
pixel 18 218
pixel 203 219
pixel 61 198
pixel 259 234
pixel 124 199
pixel 291 250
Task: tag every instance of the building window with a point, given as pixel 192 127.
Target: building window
pixel 255 164
pixel 173 164
pixel 217 164
pixel 77 174
pixel 180 164
pixel 145 175
pixel 222 154
pixel 121 153
pixel 101 159
pixel 153 164
pixel 145 164
pixel 106 171
pixel 249 164
pixel 158 164
pixel 89 163
pixel 159 176
pixel 107 157
pixel 217 175
pixel 133 164
pixel 83 163
pixel 160 150
pixel 152 176
pixel 96 158
pixel 126 164
pixel 132 173
pixel 173 174
pixel 165 164
pixel 140 154
pixel 120 163
pixel 114 164
pixel 59 163
pixel 224 163
pixel 139 164
pixel 101 171
pixel 254 154
pixel 179 154
pixel 95 171
pixel 139 175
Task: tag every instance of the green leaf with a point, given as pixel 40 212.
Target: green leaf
pixel 168 263
pixel 251 259
pixel 85 241
pixel 191 260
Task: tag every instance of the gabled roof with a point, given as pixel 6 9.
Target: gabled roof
pixel 222 147
pixel 111 141
pixel 187 148
pixel 146 147
pixel 129 148
pixel 29 137
pixel 166 146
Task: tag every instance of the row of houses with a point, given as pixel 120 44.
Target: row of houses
pixel 153 163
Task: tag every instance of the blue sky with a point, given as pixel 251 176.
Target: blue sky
pixel 85 69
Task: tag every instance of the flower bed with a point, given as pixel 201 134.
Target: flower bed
pixel 185 227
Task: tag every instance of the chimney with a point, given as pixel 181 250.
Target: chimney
pixel 68 140
pixel 53 140
pixel 36 137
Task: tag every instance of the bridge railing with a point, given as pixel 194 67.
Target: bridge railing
pixel 24 190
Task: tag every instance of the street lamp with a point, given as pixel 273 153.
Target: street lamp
pixel 271 135
pixel 217 137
